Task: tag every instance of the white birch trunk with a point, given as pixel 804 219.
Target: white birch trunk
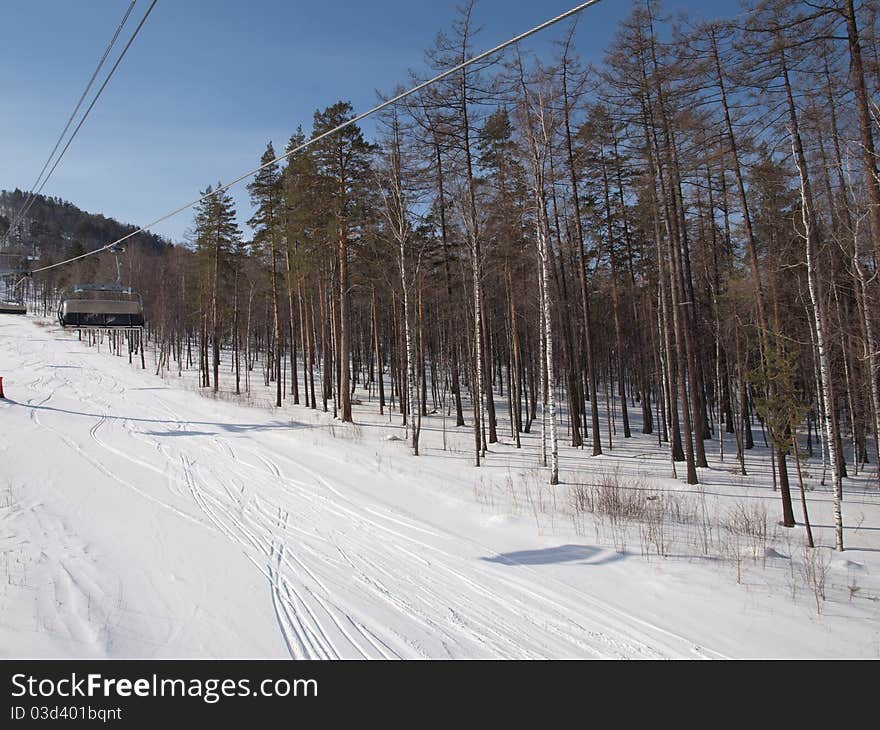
pixel 395 209
pixel 542 361
pixel 547 322
pixel 664 389
pixel 870 349
pixel 410 374
pixel 822 348
pixel 478 344
pixel 538 154
pixel 820 410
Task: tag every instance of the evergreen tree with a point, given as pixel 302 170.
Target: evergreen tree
pixel 343 161
pixel 218 237
pixel 267 196
pixel 305 218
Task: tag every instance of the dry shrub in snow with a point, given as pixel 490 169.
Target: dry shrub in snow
pixel 747 524
pixel 620 505
pixel 814 569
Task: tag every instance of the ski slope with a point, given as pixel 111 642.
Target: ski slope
pixel 141 519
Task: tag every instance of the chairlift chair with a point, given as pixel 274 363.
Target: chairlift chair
pixel 114 307
pixel 102 306
pixel 11 304
pixel 12 308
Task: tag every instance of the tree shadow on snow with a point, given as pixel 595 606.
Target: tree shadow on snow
pixel 219 425
pixel 583 554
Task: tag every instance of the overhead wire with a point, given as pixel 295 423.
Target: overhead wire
pixel 89 109
pixel 354 120
pixel 98 94
pixel 28 200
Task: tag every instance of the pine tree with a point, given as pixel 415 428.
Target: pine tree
pixel 343 161
pixel 267 193
pixel 217 238
pixel 305 226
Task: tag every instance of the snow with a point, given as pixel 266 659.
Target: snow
pixel 139 518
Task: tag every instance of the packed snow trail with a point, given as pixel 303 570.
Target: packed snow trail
pixel 147 520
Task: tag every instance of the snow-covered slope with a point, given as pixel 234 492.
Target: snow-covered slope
pixel 141 519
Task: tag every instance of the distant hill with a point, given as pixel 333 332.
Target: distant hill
pixel 56 227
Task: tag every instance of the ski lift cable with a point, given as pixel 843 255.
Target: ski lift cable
pixel 27 203
pixel 32 195
pixel 354 120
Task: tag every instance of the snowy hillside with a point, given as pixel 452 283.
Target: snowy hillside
pixel 139 518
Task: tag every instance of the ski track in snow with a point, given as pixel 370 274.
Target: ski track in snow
pixel 346 578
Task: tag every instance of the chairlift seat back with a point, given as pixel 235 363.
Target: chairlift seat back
pixel 101 313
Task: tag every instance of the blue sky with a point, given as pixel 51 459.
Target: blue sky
pixel 207 84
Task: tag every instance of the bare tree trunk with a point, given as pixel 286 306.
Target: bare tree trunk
pixel 344 354
pixel 869 156
pixel 417 425
pixel 615 302
pixel 539 150
pixel 378 351
pixel 294 379
pixel 276 320
pixel 453 345
pixel 582 274
pixel 818 302
pixel 410 359
pixel 236 339
pixel 516 387
pixel 215 313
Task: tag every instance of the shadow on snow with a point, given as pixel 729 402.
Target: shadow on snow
pixel 228 427
pixel 584 554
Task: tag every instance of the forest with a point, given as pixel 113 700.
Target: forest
pixel 687 231
pixel 53 228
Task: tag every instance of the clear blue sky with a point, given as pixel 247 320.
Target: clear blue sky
pixel 207 84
